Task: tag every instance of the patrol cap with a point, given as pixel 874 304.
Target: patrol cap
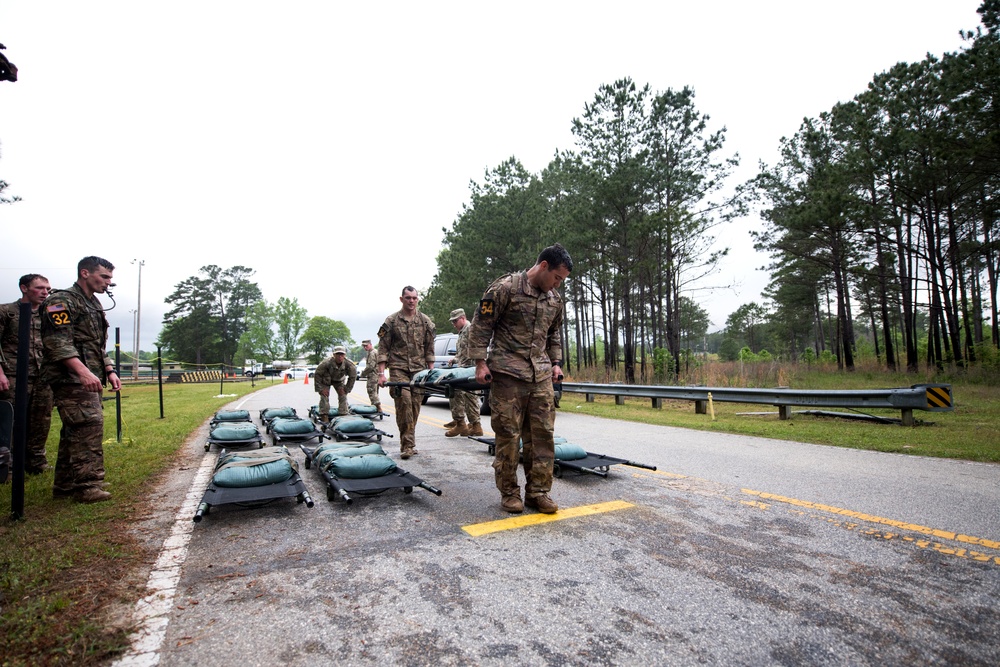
pixel 366 341
pixel 457 313
pixel 340 349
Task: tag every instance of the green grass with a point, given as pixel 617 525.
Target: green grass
pixel 970 432
pixel 65 566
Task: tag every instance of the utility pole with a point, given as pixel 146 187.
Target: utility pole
pixel 138 321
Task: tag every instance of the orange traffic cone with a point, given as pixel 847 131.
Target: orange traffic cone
pixel 307 378
pixel 286 379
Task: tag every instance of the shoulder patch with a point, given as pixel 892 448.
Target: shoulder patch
pixel 382 330
pixel 57 314
pixel 486 307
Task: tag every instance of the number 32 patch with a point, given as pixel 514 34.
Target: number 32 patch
pixel 58 315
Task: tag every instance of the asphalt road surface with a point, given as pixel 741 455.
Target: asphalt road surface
pixel 735 551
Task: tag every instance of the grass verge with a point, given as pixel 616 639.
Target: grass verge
pixel 69 572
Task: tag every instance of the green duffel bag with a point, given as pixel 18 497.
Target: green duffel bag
pixel 332 411
pixel 353 424
pixel 567 451
pixel 364 409
pixel 232 416
pixel 360 467
pixel 232 432
pixel 286 426
pixel 274 413
pixel 260 468
pixel 322 459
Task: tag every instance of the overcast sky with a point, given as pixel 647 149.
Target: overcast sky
pixel 326 146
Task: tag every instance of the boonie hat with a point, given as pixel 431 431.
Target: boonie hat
pixel 457 313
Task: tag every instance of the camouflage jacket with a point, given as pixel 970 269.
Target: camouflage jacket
pixel 329 373
pixel 462 358
pixel 406 344
pixel 73 326
pixel 517 329
pixel 371 364
pixel 9 323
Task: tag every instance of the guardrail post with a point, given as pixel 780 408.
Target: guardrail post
pixel 590 398
pixel 784 412
pixel 701 407
pixel 619 400
pixel 658 403
pixel 908 417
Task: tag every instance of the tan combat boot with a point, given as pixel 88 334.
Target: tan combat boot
pixel 91 495
pixel 461 428
pixel 451 424
pixel 542 503
pixel 511 502
pixel 475 429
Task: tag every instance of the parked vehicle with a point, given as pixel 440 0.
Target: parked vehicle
pixel 299 372
pixel 361 365
pixel 445 347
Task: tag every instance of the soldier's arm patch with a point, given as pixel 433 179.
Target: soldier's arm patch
pixel 58 315
pixel 487 307
pixel 382 331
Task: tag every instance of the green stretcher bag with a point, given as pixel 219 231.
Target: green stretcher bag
pixel 274 413
pixel 260 468
pixel 360 467
pixel 567 451
pixel 286 426
pixel 364 409
pixel 232 416
pixel 234 432
pixel 322 459
pixel 353 424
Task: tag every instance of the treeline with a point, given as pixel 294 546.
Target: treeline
pixel 881 210
pixel 636 203
pixel 886 207
pixel 221 315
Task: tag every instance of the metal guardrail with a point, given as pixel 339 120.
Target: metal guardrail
pixel 931 397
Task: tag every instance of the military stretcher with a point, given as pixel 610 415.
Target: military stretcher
pixel 230 417
pixel 443 381
pixel 268 415
pixel 349 427
pixel 574 458
pixel 359 470
pixel 368 411
pixel 229 434
pixel 253 479
pixel 294 430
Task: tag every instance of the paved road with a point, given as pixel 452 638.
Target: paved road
pixel 735 550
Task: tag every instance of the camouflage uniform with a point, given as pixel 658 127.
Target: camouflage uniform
pixel 75 326
pixel 464 405
pixel 39 393
pixel 519 326
pixel 406 347
pixel 371 376
pixel 331 374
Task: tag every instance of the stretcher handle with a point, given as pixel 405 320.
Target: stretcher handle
pixel 424 485
pixel 639 465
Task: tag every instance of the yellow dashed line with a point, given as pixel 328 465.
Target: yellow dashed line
pixel 478 529
pixel 902 525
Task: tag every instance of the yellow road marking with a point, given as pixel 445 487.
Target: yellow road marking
pixel 871 518
pixel 485 528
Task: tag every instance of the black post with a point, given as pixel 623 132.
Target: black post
pixel 159 374
pixel 118 394
pixel 222 375
pixel 20 434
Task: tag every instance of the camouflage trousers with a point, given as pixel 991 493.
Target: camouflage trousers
pixel 407 408
pixel 464 407
pixel 39 422
pixel 80 461
pixel 342 407
pixel 372 386
pixel 525 412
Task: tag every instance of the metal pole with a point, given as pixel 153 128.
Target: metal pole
pixel 138 319
pixel 20 433
pixel 159 373
pixel 118 394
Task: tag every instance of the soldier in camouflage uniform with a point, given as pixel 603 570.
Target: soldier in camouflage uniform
pixel 406 347
pixel 34 289
pixel 515 342
pixel 339 372
pixel 464 404
pixel 371 374
pixel 76 365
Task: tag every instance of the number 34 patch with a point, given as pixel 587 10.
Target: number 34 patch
pixel 58 314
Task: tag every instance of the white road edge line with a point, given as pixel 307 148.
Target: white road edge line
pixel 152 613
